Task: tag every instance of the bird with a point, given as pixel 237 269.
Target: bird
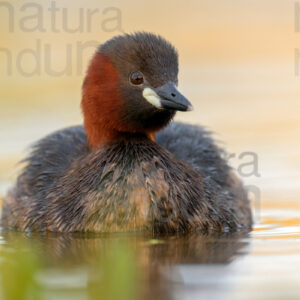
pixel 129 167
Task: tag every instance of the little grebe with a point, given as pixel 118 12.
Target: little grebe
pixel 117 174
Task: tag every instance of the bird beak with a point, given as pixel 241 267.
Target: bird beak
pixel 167 96
pixel 171 98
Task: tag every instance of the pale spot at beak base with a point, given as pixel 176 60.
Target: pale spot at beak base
pixel 151 96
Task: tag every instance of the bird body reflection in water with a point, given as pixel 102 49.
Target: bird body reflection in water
pixel 123 266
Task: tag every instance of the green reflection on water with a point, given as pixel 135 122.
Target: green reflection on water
pixel 18 268
pixel 110 270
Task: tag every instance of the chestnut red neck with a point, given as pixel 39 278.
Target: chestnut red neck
pixel 102 103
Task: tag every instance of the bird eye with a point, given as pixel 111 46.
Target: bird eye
pixel 136 78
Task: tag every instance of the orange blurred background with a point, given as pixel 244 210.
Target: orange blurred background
pixel 237 66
